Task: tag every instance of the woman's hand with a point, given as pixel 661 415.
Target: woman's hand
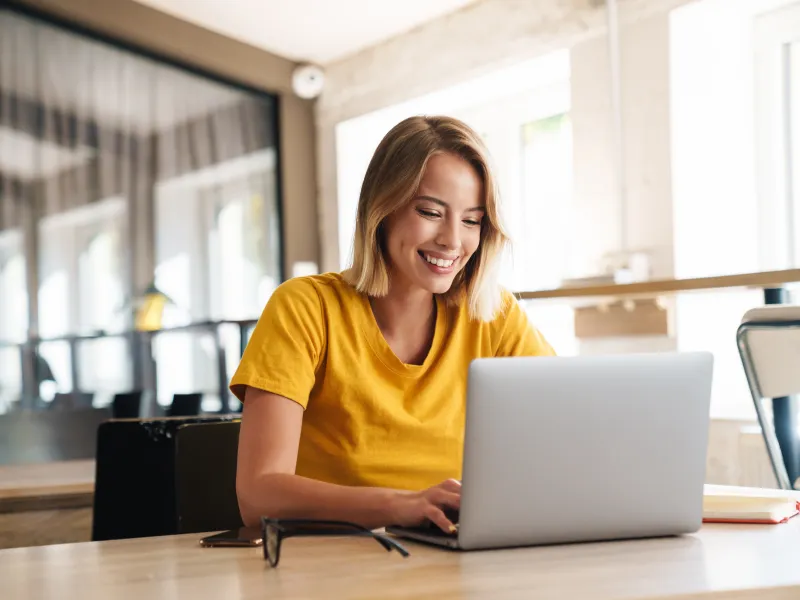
pixel 409 509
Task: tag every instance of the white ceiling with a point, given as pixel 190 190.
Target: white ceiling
pixel 319 31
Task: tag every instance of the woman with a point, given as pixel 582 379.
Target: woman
pixel 354 384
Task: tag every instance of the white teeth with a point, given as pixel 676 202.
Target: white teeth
pixel 439 262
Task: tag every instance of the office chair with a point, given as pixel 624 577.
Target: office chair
pixel 768 339
pixel 205 476
pixel 185 405
pixel 127 405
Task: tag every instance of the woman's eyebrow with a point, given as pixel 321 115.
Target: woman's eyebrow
pixel 444 204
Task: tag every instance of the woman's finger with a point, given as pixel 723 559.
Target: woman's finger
pixel 451 485
pixel 437 517
pixel 443 498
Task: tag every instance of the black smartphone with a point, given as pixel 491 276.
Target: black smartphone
pixel 244 537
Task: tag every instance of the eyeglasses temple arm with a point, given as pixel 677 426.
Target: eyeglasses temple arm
pixel 390 544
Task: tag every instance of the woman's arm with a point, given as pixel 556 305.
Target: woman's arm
pixel 266 484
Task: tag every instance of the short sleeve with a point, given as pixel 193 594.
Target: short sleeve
pixel 287 345
pixel 518 337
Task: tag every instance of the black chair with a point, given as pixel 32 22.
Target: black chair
pixel 135 477
pixel 185 405
pixel 205 477
pixel 127 405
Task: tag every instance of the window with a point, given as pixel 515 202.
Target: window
pixel 543 242
pixel 80 269
pixel 217 241
pixel 218 258
pixel 776 45
pixel 100 287
pixel 243 247
pixel 13 292
pixel 729 131
pixel 143 172
pixel 82 291
pixel 13 316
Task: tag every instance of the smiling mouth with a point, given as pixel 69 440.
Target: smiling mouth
pixel 438 262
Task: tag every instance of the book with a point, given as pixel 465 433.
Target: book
pixel 732 504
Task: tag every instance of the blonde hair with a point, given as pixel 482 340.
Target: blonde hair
pixel 392 179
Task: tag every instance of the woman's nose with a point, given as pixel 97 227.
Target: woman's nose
pixel 449 235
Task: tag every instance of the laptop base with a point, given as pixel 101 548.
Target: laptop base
pixel 427 535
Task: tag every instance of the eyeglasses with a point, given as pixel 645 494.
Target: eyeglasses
pixel 274 531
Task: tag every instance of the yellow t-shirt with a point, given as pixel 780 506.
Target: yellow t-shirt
pixel 370 419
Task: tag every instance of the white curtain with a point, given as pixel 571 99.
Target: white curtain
pixel 126 171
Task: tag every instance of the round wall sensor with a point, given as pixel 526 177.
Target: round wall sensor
pixel 307 81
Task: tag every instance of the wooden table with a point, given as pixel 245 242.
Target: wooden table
pixel 721 561
pixel 46 503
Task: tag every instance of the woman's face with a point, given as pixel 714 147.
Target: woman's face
pixel 432 238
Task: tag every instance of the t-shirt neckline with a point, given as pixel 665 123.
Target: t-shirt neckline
pixel 384 352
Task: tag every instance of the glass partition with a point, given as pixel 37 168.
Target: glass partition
pixel 122 176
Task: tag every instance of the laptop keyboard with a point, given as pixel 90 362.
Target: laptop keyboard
pixel 430 529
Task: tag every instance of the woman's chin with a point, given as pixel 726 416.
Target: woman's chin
pixel 438 285
pixel 424 278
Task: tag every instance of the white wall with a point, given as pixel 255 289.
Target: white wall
pixel 646 211
pixel 644 72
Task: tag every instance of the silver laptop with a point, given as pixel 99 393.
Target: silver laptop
pixel 577 449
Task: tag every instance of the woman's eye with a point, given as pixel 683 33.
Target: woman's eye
pixel 471 222
pixel 427 213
